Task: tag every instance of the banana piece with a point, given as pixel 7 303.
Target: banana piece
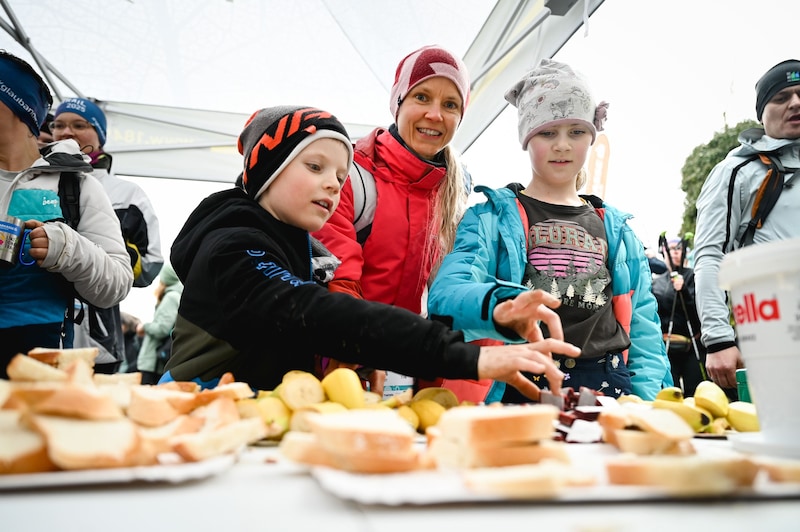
pixel 428 411
pixel 248 408
pixel 407 413
pixel 397 400
pixel 300 389
pixel 372 398
pixel 343 386
pixel 673 393
pixel 695 417
pixel 743 416
pixel 443 396
pixel 719 426
pixel 276 416
pixel 710 396
pixel 630 398
pixel 299 421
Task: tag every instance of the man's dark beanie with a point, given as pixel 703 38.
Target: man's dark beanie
pixel 784 74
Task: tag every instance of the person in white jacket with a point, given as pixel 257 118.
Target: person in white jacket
pixel 725 207
pixel 55 262
pixel 84 121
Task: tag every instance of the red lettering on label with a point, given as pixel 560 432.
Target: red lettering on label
pixel 751 311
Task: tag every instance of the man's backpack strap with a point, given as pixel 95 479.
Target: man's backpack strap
pixel 365 198
pixel 766 197
pixel 69 194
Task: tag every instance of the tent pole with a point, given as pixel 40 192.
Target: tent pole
pixel 19 35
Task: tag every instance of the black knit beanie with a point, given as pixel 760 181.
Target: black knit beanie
pixel 784 74
pixel 274 136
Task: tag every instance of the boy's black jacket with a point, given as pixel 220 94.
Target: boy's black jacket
pixel 250 306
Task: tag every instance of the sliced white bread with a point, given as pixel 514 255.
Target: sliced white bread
pixel 80 403
pixel 304 448
pixel 131 379
pixel 158 438
pixel 152 406
pixel 84 444
pixel 780 469
pixel 218 413
pixel 26 369
pixel 683 475
pixel 451 454
pixel 233 390
pixel 86 354
pixel 487 425
pixel 226 439
pixel 379 432
pixel 534 481
pixel 21 450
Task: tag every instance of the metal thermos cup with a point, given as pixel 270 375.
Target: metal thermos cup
pixel 12 233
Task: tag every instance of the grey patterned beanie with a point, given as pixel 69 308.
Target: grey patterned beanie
pixel 552 94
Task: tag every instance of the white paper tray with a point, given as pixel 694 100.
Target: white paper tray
pixel 443 487
pixel 171 470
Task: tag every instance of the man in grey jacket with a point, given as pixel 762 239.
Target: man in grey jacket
pixel 724 209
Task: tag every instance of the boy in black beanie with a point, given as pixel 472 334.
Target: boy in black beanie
pixel 254 301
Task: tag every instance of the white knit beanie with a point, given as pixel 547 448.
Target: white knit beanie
pixel 553 94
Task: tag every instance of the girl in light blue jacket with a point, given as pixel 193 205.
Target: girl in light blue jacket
pixel 547 237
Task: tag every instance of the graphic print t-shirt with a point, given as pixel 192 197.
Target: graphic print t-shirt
pixel 567 254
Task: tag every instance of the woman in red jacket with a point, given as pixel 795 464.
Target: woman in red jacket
pixel 421 189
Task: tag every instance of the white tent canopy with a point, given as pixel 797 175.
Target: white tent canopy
pixel 178 78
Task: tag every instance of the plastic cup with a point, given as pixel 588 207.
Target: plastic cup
pixel 764 285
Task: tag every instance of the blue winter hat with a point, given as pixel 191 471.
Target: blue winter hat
pixel 89 111
pixel 23 91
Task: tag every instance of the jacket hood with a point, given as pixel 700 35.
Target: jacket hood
pixel 755 140
pixel 63 156
pixel 227 209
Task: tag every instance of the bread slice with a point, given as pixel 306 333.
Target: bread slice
pixel 80 403
pixel 158 438
pixel 5 391
pixel 46 355
pixel 487 426
pixel 220 412
pixel 86 354
pixel 131 379
pixel 152 406
pixel 233 390
pixel 24 395
pixel 451 454
pixel 364 432
pixel 537 481
pixel 85 444
pixel 304 448
pixel 369 463
pixel 61 358
pixel 26 369
pixel 780 469
pixel 644 443
pixel 683 475
pixel 226 439
pixel 21 450
pixel 645 431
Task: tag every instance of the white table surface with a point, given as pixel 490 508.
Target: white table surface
pixel 259 493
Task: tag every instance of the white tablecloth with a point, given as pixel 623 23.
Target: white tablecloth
pixel 262 493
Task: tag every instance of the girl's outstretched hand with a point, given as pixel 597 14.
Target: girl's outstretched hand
pixel 523 314
pixel 507 362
